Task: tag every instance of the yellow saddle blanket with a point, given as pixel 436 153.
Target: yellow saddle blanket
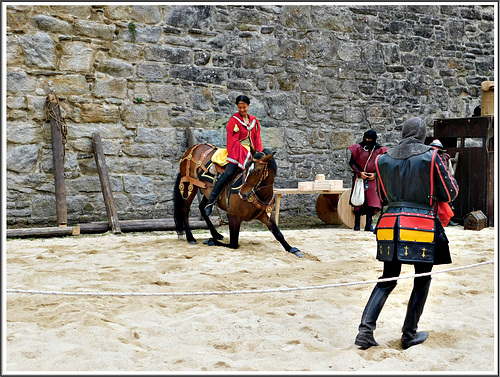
pixel 220 155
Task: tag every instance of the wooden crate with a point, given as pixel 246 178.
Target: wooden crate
pixel 475 220
pixel 487 98
pixel 328 185
pixel 306 186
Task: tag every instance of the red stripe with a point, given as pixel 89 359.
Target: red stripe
pixel 442 179
pixel 432 174
pixel 380 183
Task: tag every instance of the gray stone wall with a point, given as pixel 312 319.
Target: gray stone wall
pixel 318 77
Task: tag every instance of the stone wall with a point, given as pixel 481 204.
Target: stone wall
pixel 318 77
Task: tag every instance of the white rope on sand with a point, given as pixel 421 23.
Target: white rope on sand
pixel 212 293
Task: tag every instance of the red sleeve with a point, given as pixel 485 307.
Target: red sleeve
pixel 231 136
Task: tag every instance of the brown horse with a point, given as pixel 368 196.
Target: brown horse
pixel 255 199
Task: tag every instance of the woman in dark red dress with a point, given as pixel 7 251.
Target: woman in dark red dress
pixel 362 163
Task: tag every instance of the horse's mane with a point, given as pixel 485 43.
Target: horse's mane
pixel 272 162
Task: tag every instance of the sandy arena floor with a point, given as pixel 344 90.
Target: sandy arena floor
pixel 309 330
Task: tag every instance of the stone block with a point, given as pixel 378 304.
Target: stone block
pixel 137 184
pixel 52 24
pixel 146 14
pixel 132 114
pixel 22 158
pixel 141 150
pixel 152 71
pixel 138 200
pixel 77 57
pixel 95 29
pixel 20 82
pixel 115 67
pixel 110 87
pixel 167 54
pixel 65 85
pixel 159 115
pixel 24 133
pixel 125 51
pixel 100 113
pixel 168 93
pixel 38 50
pixel 106 131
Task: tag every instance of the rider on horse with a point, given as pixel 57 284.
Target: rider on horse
pixel 243 131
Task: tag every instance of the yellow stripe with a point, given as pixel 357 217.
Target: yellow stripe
pixel 385 234
pixel 416 235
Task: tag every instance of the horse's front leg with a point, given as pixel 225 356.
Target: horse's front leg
pixel 215 234
pixel 273 227
pixel 234 233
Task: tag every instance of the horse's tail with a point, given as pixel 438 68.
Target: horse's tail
pixel 179 202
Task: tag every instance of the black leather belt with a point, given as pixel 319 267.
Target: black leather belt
pixel 410 205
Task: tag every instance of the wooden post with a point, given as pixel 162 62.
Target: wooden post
pixel 190 137
pixel 107 193
pixel 58 136
pixel 192 141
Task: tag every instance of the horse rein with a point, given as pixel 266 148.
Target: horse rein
pixel 253 198
pixel 262 177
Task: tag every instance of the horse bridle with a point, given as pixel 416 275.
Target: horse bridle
pixel 262 177
pixel 252 196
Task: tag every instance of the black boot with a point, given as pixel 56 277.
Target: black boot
pixel 368 225
pixel 357 220
pixel 415 308
pixel 374 306
pixel 216 191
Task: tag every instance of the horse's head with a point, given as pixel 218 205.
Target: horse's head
pixel 257 172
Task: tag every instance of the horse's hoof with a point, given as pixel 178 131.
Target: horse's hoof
pixel 211 242
pixel 192 242
pixel 297 252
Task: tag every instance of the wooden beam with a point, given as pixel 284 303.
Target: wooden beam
pixel 149 225
pixel 107 193
pixel 40 232
pixel 58 135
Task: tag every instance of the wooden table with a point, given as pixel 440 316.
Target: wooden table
pixel 325 212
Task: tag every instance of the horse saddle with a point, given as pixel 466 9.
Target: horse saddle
pixel 212 171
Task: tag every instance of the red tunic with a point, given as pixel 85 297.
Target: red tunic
pixel 238 131
pixel 361 156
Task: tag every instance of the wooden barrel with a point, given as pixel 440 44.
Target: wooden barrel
pixel 326 208
pixel 345 211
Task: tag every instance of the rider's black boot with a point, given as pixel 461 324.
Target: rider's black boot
pixel 216 191
pixel 374 306
pixel 415 308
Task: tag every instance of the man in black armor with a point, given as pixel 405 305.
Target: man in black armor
pixel 411 178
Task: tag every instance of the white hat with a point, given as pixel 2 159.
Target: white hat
pixel 436 143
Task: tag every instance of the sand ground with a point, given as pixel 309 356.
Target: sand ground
pixel 309 331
